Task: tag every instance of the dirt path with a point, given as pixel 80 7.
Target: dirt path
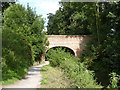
pixel 32 79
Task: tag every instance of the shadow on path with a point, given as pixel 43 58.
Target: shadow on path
pixel 32 79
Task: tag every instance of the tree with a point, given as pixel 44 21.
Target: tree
pixel 101 20
pixel 23 40
pixel 71 19
pixel 5 5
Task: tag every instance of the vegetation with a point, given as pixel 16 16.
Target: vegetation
pixel 99 19
pixel 114 80
pixel 5 5
pixel 73 19
pixel 76 71
pixel 54 77
pixel 23 41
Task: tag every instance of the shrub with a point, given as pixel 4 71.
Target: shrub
pixel 77 72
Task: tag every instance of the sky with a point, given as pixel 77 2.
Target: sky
pixel 42 7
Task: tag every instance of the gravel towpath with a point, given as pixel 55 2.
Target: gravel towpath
pixel 32 79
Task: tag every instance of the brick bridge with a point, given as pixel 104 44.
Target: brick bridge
pixel 74 42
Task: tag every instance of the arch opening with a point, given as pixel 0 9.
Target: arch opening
pixel 63 48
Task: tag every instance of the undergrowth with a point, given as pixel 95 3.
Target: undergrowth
pixel 53 77
pixel 74 69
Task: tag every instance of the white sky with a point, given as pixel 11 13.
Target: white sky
pixel 43 7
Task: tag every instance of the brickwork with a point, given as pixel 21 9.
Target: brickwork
pixel 74 42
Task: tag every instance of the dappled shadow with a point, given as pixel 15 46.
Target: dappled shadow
pixel 37 67
pixel 26 78
pixel 30 74
pixel 34 70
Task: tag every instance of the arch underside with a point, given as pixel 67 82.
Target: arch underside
pixel 69 48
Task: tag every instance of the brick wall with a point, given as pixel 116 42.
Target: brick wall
pixel 74 42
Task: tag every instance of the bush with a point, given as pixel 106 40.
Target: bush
pixel 13 62
pixel 77 72
pixel 56 56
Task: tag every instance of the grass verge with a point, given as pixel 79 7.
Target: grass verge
pixel 53 77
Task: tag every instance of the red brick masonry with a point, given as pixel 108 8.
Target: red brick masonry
pixel 73 42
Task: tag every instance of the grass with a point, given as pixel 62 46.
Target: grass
pixel 53 77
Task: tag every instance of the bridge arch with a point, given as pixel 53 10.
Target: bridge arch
pixel 67 49
pixel 74 42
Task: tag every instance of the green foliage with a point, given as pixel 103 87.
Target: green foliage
pixel 107 53
pixel 44 81
pixel 71 19
pixel 23 41
pixel 103 53
pixel 5 5
pixel 99 19
pixel 9 81
pixel 54 77
pixel 103 58
pixel 57 57
pixel 114 80
pixel 77 72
